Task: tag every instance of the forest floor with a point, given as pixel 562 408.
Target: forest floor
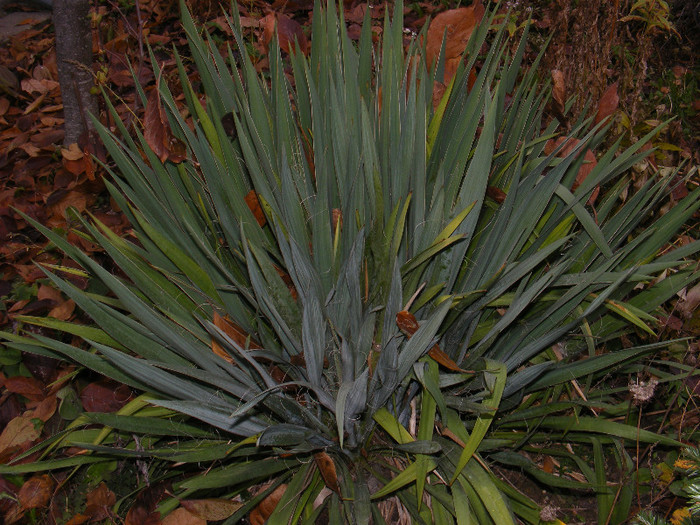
pixel 655 69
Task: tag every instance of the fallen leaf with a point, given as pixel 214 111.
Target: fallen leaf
pixel 288 32
pixel 235 332
pixel 559 91
pixel 688 305
pixel 456 26
pixel 408 324
pixel 182 516
pixel 589 161
pixel 496 194
pixel 212 509
pixel 36 492
pixel 143 511
pixel 63 311
pixel 157 132
pixel 48 292
pixel 608 103
pixel 26 386
pixel 72 152
pixel 327 469
pixel 45 409
pixel 99 502
pixel 253 202
pixel 259 515
pixel 78 519
pixel 105 396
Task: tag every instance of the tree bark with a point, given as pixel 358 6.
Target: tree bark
pixel 74 60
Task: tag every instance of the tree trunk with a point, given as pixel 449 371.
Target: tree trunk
pixel 74 60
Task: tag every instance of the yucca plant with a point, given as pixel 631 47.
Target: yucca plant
pixel 360 292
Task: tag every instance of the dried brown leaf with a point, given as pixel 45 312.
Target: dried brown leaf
pixel 559 90
pixel 26 386
pixel 288 32
pixel 182 516
pixel 608 103
pixel 326 467
pixel 259 515
pixel 36 492
pixel 212 509
pixel 157 133
pixel 235 332
pixel 456 25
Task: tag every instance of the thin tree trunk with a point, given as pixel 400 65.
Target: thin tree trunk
pixel 74 60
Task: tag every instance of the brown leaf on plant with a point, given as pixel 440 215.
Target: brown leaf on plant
pixel 456 25
pixel 235 332
pixel 105 396
pixel 608 103
pixel 182 516
pixel 99 503
pixel 36 492
pixel 589 161
pixel 253 202
pixel 288 32
pixel 212 509
pixel 157 132
pixel 259 515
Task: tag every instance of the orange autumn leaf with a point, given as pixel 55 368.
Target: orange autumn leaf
pixel 327 469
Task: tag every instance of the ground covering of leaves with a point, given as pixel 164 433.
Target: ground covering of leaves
pixel 43 179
